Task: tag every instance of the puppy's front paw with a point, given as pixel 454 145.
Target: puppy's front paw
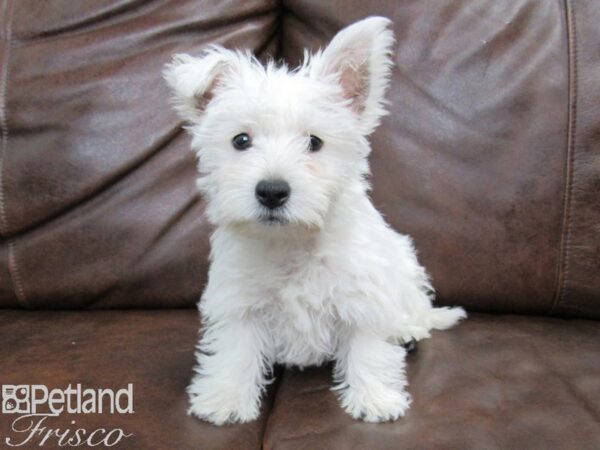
pixel 221 414
pixel 219 404
pixel 375 403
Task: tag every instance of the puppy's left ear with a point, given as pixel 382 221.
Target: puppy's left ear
pixel 360 57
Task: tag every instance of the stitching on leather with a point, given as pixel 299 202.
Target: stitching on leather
pixel 565 243
pixel 6 36
pixel 12 262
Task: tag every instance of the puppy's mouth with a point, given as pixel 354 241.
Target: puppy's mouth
pixel 272 218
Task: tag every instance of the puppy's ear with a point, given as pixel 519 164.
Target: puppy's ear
pixel 194 79
pixel 360 57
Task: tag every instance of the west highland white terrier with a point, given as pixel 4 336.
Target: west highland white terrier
pixel 303 268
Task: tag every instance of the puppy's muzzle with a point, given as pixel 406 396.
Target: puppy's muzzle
pixel 273 193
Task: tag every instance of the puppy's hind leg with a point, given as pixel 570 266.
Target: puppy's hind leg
pixel 370 377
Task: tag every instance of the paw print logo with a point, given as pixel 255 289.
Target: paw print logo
pixel 15 399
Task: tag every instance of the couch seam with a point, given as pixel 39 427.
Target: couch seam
pixel 278 380
pixel 572 55
pixel 13 269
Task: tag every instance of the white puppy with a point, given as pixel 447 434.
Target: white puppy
pixel 303 268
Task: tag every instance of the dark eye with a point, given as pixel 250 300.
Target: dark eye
pixel 315 143
pixel 242 141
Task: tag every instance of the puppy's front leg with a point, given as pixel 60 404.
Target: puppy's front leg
pixel 231 373
pixel 371 378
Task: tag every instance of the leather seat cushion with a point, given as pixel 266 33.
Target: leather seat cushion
pixel 153 350
pixel 493 382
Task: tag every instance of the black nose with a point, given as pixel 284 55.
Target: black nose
pixel 272 193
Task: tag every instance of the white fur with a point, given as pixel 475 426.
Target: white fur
pixel 330 280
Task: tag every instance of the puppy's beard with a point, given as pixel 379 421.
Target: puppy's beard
pixel 275 225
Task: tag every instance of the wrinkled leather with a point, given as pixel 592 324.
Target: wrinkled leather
pixel 470 161
pixel 153 350
pixel 98 180
pixel 493 382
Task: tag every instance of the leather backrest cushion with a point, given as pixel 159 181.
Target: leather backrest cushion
pixel 473 159
pixel 489 158
pixel 99 201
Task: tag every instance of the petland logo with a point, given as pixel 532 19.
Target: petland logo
pixel 36 406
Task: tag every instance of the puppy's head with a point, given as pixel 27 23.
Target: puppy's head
pixel 279 147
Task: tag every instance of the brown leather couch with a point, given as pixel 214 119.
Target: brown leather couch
pixel 490 159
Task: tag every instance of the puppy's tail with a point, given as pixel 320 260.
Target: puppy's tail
pixel 430 319
pixel 445 317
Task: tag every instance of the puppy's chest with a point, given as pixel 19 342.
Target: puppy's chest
pixel 302 316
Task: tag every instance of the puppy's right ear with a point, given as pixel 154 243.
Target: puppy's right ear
pixel 194 79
